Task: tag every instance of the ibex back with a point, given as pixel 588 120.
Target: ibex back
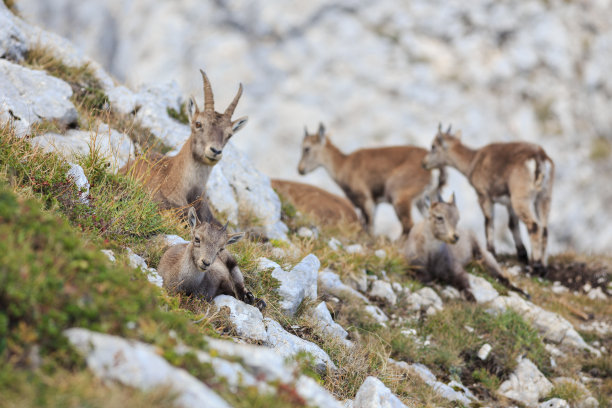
pixel 438 250
pixel 367 176
pixel 178 181
pixel 518 175
pixel 199 268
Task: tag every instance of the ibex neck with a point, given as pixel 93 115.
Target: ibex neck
pixel 461 158
pixel 192 173
pixel 333 160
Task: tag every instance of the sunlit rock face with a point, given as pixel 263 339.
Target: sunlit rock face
pixel 384 73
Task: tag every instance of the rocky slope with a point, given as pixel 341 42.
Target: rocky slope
pixel 346 324
pixel 382 73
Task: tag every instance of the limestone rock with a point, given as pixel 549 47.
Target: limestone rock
pixel 247 319
pixel 288 345
pixel 554 403
pixel 138 365
pixel 329 282
pixel 12 40
pixel 382 290
pixel 374 394
pixel 77 175
pixel 446 391
pixel 482 290
pixel 314 394
pixel 30 96
pixel 138 262
pixel 377 314
pixel 526 384
pixel 425 299
pixel 326 324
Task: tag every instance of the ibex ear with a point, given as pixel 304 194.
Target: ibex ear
pixel 427 202
pixel 192 218
pixel 452 200
pixel 233 238
pixel 321 132
pixel 239 123
pixel 439 198
pixel 192 108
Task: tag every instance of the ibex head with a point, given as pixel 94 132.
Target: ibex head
pixel 438 156
pixel 312 148
pixel 443 219
pixel 211 130
pixel 208 240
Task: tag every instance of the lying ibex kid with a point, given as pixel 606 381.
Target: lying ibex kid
pixel 440 251
pixel 198 269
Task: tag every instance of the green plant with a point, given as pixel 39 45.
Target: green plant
pixel 180 115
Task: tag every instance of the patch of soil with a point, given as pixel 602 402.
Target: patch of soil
pixel 575 274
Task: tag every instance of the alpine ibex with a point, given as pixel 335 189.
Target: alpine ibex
pixel 197 268
pixel 367 176
pixel 324 206
pixel 518 175
pixel 179 181
pixel 438 250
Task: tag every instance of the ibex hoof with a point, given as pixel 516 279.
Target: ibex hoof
pixel 469 295
pixel 538 268
pixel 521 254
pixel 261 304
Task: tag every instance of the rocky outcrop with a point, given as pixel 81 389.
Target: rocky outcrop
pixel 382 290
pixel 324 321
pixel 526 384
pixel 374 394
pixel 247 319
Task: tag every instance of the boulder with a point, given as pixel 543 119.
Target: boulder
pixel 526 384
pixel 30 96
pixel 482 290
pixel 374 394
pixel 452 391
pixel 136 261
pixel 330 283
pixel 383 291
pixel 425 299
pixel 247 319
pixel 12 40
pixel 288 345
pixel 325 323
pixel 138 365
pixel 377 314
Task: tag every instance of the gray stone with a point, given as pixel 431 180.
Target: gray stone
pixel 377 314
pixel 289 345
pixel 116 147
pixel 354 249
pixel 380 253
pixel 295 285
pixel 109 254
pixel 450 292
pixel 30 96
pixel 374 394
pixel 584 399
pixel 325 323
pixel 448 392
pixel 334 244
pixel 137 262
pixel 482 290
pixel 247 319
pixel 77 175
pixel 383 291
pixel 314 394
pixel 554 403
pixel 526 384
pixel 171 240
pixel 484 351
pixel 330 283
pixel 12 40
pixel 138 365
pixel 426 300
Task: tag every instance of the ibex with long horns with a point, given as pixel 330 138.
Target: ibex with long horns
pixel 178 181
pixel 367 176
pixel 518 175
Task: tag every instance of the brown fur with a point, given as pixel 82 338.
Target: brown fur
pixel 199 267
pixel 180 181
pixel 324 206
pixel 367 176
pixel 519 175
pixel 440 251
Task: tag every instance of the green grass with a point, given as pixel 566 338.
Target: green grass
pixel 180 115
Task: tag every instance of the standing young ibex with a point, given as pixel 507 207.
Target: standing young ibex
pixel 197 268
pixel 439 250
pixel 519 175
pixel 325 207
pixel 178 181
pixel 391 174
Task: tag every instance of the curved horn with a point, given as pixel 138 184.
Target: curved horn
pixel 230 109
pixel 449 129
pixel 209 102
pixel 225 226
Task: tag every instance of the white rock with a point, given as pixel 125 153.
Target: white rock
pixel 334 244
pixel 137 262
pixel 374 394
pixel 109 254
pixel 557 288
pixel 376 314
pixel 380 253
pixel 116 147
pixel 585 399
pixel 359 281
pixel 354 249
pixel 526 384
pixel 305 232
pixel 12 40
pixel 138 365
pixel 450 292
pixel 247 319
pixel 597 294
pixel 330 283
pixel 297 284
pixel 324 321
pixel 444 390
pixel 314 394
pixel 484 351
pixel 482 290
pixel 382 290
pixel 425 299
pixel 171 240
pixel 554 403
pixel 77 175
pixel 29 96
pixel 289 345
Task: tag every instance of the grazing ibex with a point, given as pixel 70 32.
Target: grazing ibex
pixel 325 207
pixel 197 268
pixel 367 176
pixel 518 175
pixel 438 250
pixel 178 181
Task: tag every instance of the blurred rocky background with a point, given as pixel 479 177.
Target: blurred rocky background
pixel 383 73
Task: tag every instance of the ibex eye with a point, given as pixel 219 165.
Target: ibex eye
pixel 439 219
pixel 198 125
pixel 306 149
pixel 197 240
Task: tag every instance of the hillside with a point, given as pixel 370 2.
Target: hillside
pixel 84 322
